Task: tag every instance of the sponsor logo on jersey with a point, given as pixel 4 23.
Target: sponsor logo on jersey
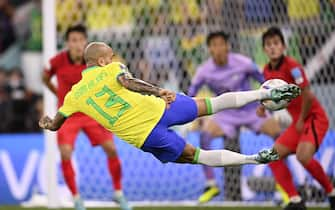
pixel 297 75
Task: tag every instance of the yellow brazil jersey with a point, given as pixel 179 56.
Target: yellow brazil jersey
pixel 129 115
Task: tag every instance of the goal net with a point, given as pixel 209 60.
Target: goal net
pixel 163 42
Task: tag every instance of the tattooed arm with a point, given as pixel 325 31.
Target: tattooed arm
pixel 138 85
pixel 141 86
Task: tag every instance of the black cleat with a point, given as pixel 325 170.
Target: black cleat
pixel 332 202
pixel 296 206
pixel 285 92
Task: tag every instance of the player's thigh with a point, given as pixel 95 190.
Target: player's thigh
pixel 287 142
pixel 165 144
pixel 66 137
pixel 212 127
pixel 181 111
pixel 314 131
pixel 270 126
pixel 96 133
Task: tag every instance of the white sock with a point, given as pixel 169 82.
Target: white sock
pixel 332 193
pixel 76 197
pixel 223 158
pixel 236 99
pixel 295 199
pixel 211 183
pixel 118 193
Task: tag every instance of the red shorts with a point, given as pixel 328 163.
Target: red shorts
pixel 97 134
pixel 314 130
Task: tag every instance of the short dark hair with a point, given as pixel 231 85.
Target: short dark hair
pixel 215 34
pixel 76 28
pixel 271 32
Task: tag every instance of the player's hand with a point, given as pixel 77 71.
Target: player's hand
pixel 299 125
pixel 45 122
pixel 167 95
pixel 260 111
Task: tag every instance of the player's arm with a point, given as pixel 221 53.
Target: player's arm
pixel 46 78
pixel 197 83
pixel 307 99
pixel 140 86
pixel 256 73
pixel 301 80
pixel 68 108
pixel 52 124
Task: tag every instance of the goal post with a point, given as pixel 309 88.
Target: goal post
pixel 49 50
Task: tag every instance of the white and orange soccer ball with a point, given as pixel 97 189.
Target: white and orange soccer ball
pixel 270 104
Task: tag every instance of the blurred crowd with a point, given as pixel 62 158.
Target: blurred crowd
pixel 20 29
pixel 162 41
pixel 20 108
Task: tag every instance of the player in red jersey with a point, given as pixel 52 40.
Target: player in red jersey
pixel 67 67
pixel 310 122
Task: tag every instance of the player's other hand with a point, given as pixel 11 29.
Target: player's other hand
pixel 45 122
pixel 260 111
pixel 167 95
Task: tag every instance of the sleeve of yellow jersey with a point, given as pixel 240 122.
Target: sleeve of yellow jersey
pixel 69 107
pixel 123 70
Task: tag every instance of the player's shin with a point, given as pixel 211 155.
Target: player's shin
pixel 234 100
pixel 223 158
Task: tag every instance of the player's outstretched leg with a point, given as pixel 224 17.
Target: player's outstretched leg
pixel 230 100
pixel 69 175
pixel 220 158
pixel 114 167
pixel 211 189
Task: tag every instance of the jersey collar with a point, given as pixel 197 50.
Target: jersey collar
pixel 281 61
pixel 89 69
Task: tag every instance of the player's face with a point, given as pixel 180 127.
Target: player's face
pixel 76 44
pixel 273 47
pixel 107 58
pixel 218 49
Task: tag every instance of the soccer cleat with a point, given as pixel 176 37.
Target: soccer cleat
pixel 122 201
pixel 332 202
pixel 79 204
pixel 296 206
pixel 208 194
pixel 267 155
pixel 286 92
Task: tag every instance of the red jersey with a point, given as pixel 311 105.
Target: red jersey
pixel 291 71
pixel 67 73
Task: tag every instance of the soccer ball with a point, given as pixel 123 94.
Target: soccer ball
pixel 272 105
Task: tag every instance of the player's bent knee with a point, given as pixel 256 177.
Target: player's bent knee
pixel 109 148
pixel 188 154
pixel 211 127
pixel 303 158
pixel 282 151
pixel 65 152
pixel 271 127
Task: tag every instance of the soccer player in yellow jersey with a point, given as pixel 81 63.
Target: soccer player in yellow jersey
pixel 141 114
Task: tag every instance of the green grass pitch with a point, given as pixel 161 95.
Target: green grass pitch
pixel 166 208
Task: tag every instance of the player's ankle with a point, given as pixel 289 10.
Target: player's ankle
pixel 265 94
pixel 211 183
pixel 295 199
pixel 76 196
pixel 332 193
pixel 118 193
